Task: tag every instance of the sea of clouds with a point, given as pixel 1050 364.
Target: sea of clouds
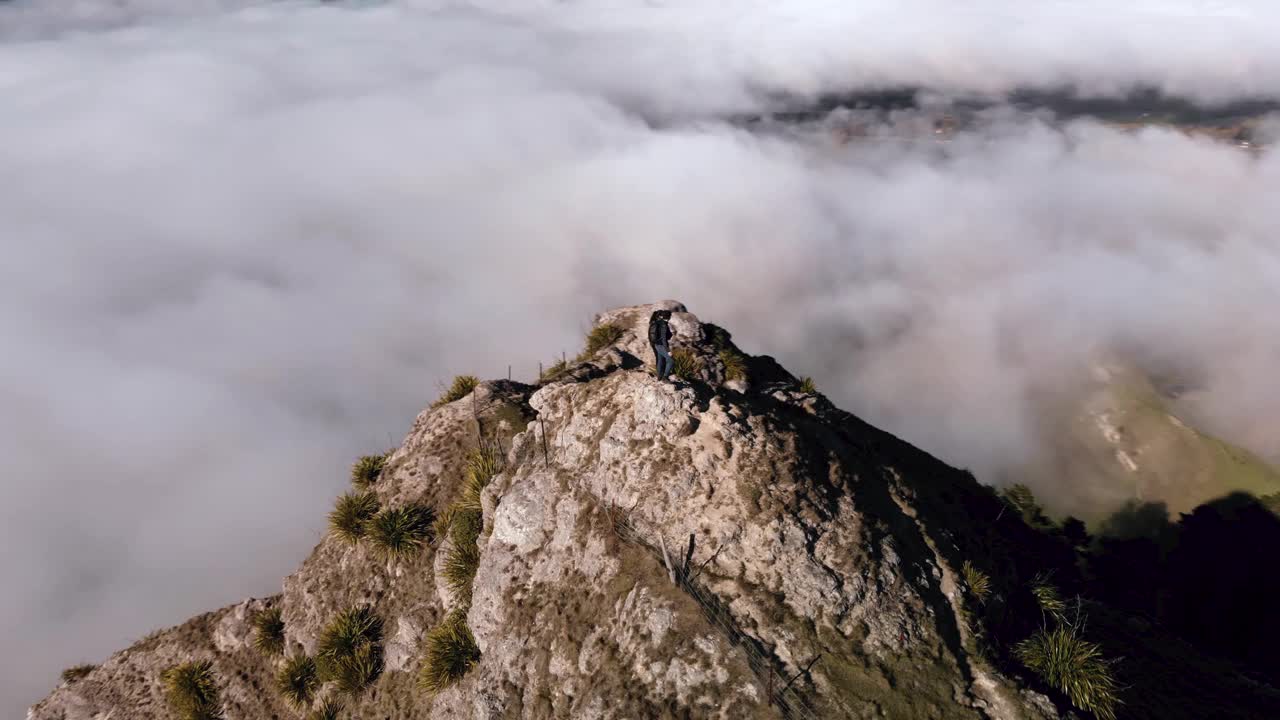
pixel 245 242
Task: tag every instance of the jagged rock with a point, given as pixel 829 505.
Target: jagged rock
pixel 819 581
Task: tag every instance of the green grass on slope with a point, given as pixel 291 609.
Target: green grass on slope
pixel 1211 467
pixel 1177 464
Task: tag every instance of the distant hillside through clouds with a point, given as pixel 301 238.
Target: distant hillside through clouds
pixel 1243 122
pixel 1121 441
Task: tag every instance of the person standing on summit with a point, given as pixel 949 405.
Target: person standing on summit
pixel 660 338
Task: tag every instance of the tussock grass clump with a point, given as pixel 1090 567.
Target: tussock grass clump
pixel 685 364
pixel 466 526
pixel 329 709
pixel 357 671
pixel 466 521
pixel 443 521
pixel 349 520
pixel 463 559
pixel 601 337
pixel 978 582
pixel 268 631
pixel 554 371
pixel 1074 666
pixel 460 570
pixel 348 631
pixel 349 652
pixel 1049 599
pixel 297 680
pixel 402 531
pixel 1020 498
pixel 471 491
pixel 807 386
pixel 735 365
pixel 77 673
pixel 461 387
pixel 192 691
pixel 482 465
pixel 366 471
pixel 451 652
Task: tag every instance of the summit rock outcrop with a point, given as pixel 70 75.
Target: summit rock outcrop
pixel 730 545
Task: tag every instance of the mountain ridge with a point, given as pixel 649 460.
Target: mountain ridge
pixel 730 545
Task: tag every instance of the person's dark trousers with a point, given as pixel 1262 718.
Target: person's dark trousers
pixel 662 358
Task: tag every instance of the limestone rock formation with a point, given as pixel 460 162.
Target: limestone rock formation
pixel 714 547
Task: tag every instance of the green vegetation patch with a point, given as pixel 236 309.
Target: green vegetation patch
pixel 466 521
pixel 191 690
pixel 402 531
pixel 1074 666
pixel 482 465
pixel 268 631
pixel 735 365
pixel 685 364
pixel 366 471
pixel 601 337
pixel 349 652
pixel 460 570
pixel 807 386
pixel 443 521
pixel 450 647
pixel 554 371
pixel 451 652
pixel 77 673
pixel 351 515
pixel 1049 599
pixel 297 680
pixel 978 582
pixel 1019 498
pixel 329 709
pixel 462 386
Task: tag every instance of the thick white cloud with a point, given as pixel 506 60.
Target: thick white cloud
pixel 243 246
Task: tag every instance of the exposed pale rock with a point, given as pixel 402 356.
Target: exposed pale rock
pixel 816 589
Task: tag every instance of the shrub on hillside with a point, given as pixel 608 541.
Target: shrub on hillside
pixel 978 582
pixel 451 652
pixel 460 570
pixel 1020 498
pixel 462 386
pixel 554 371
pixel 366 471
pixel 444 521
pixel 685 364
pixel 1049 599
pixel 482 465
pixel 808 387
pixel 297 680
pixel 1074 666
pixel 601 337
pixel 349 520
pixel 268 631
pixel 735 365
pixel 329 709
pixel 349 651
pixel 77 673
pixel 192 691
pixel 402 531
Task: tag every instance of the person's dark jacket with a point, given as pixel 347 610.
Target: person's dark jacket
pixel 659 332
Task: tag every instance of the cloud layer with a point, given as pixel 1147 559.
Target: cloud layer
pixel 243 244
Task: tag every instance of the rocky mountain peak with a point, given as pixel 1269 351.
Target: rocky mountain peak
pixel 602 544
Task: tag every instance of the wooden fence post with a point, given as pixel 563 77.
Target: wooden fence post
pixel 666 559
